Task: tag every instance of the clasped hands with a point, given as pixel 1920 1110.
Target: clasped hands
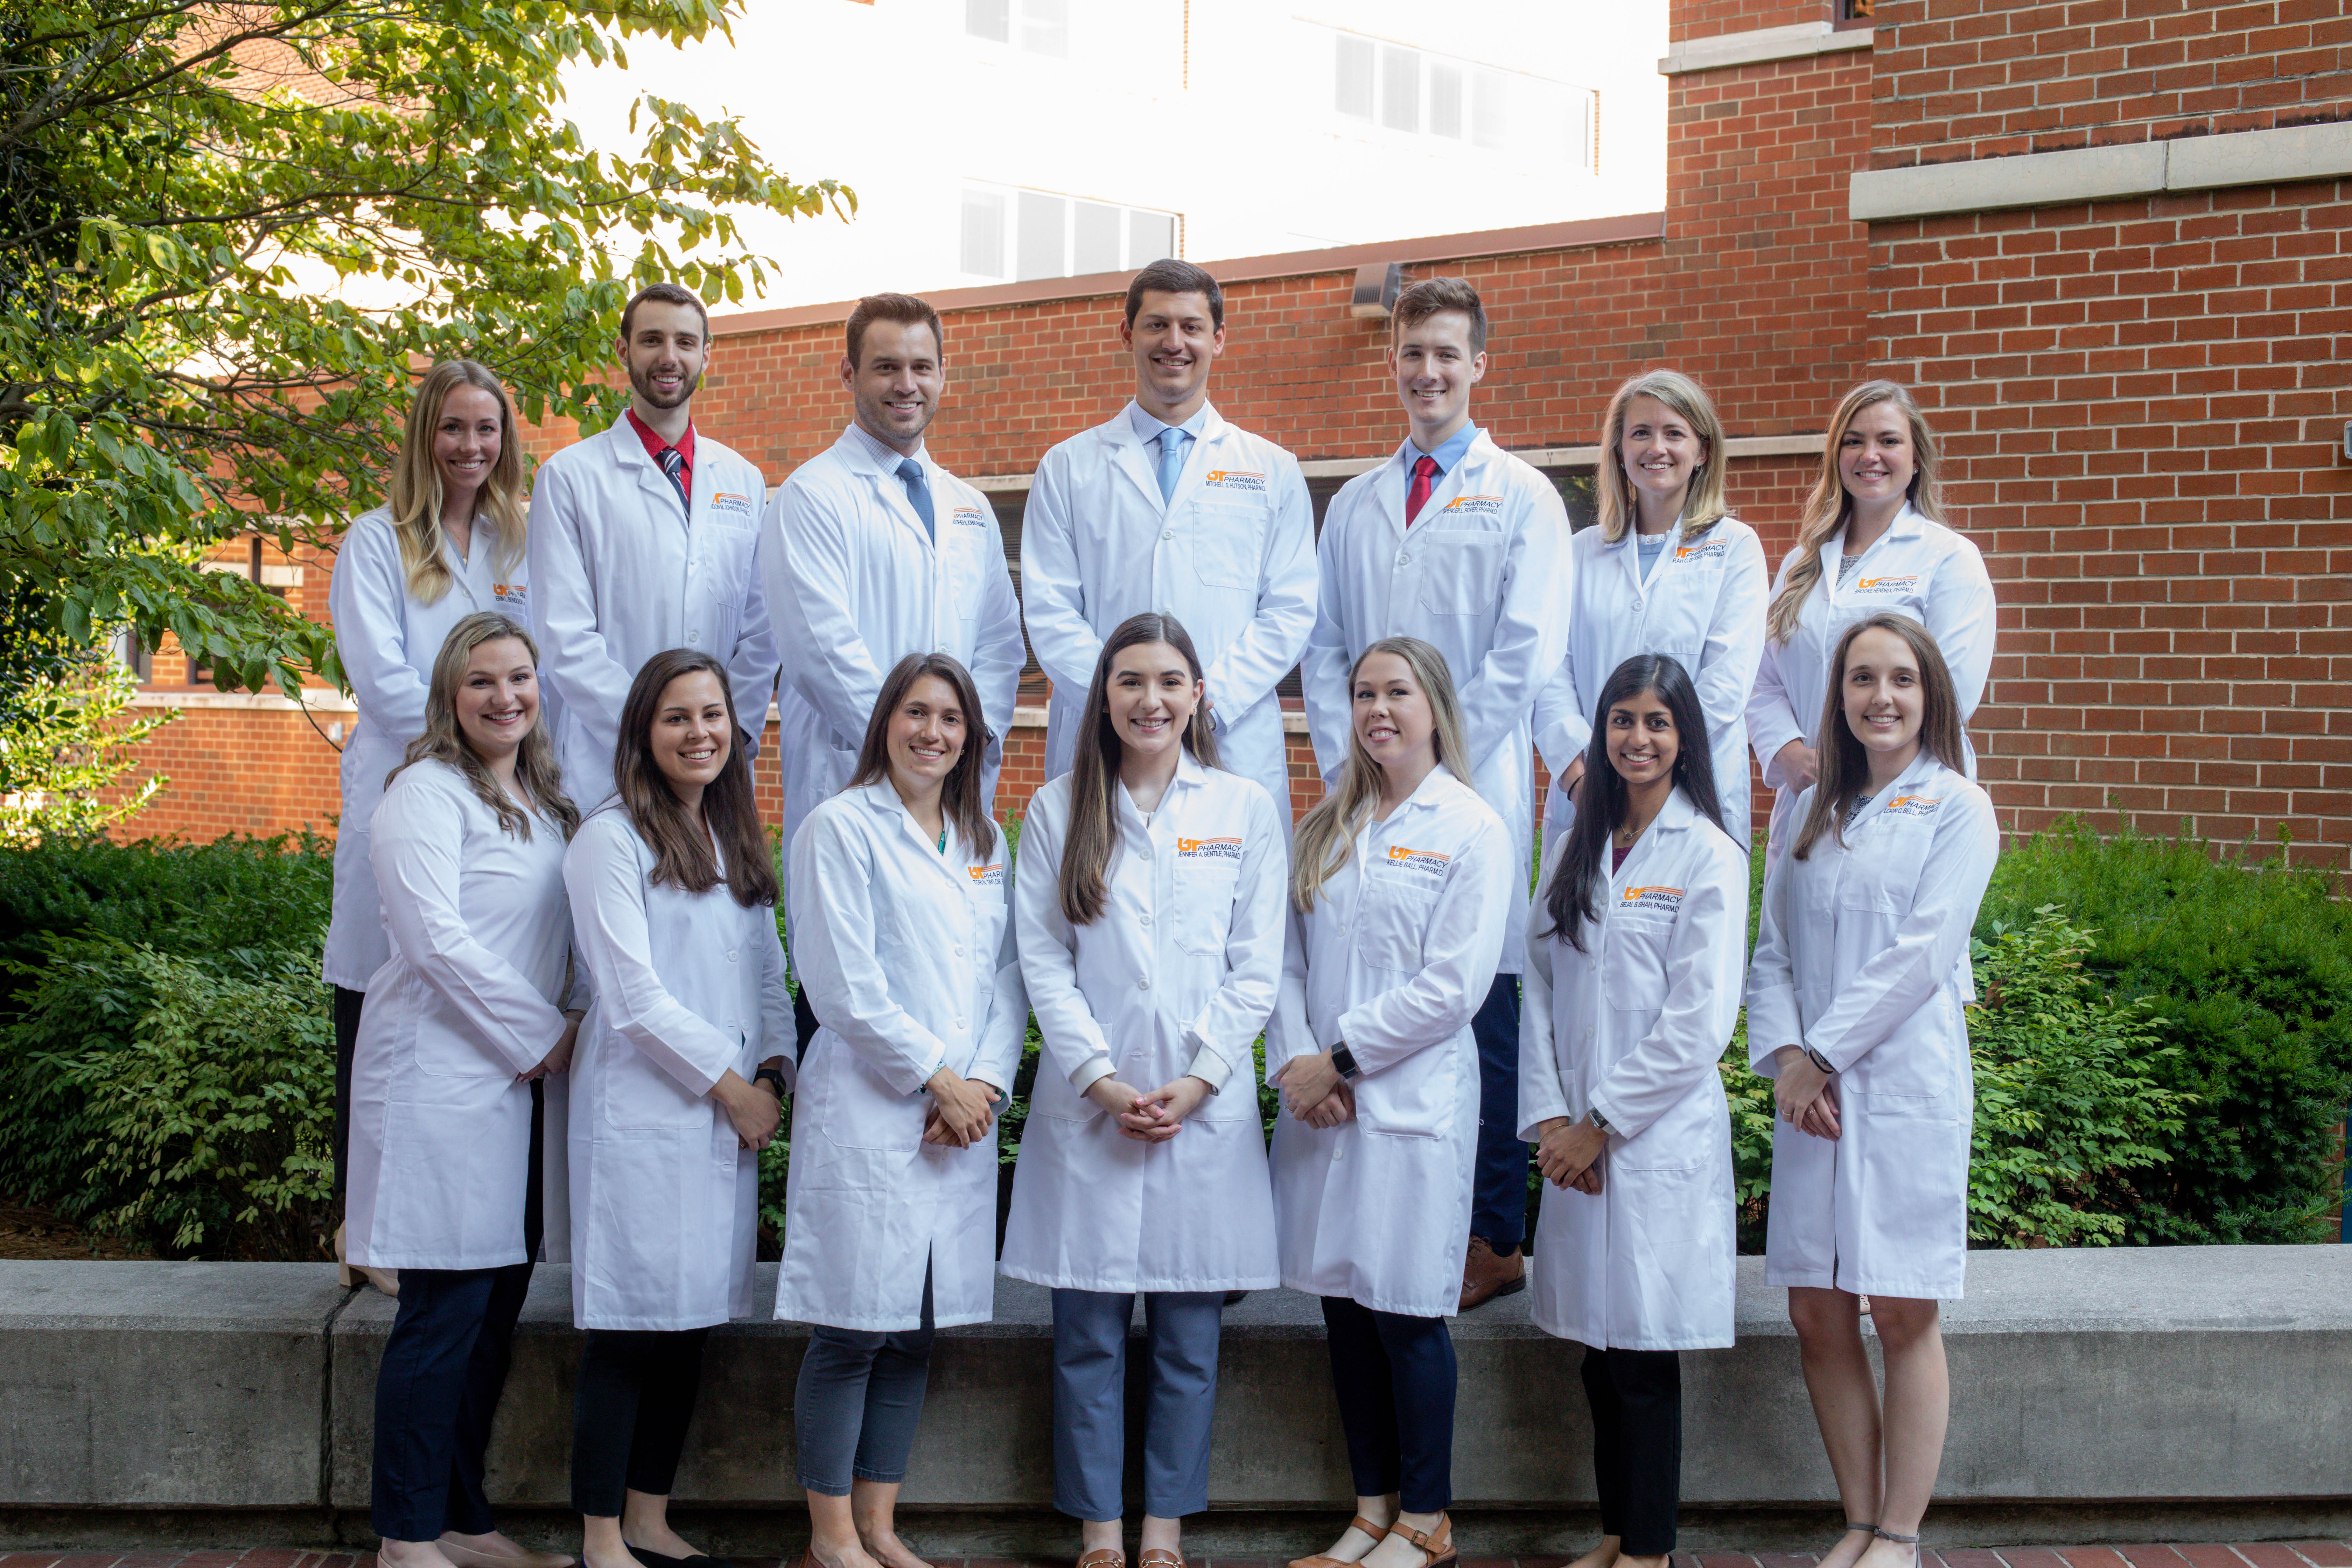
pixel 962 1109
pixel 558 1060
pixel 1152 1117
pixel 1567 1152
pixel 1804 1096
pixel 1313 1090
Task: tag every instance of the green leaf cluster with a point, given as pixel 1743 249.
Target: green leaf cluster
pixel 231 235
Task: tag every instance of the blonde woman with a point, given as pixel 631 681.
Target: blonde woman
pixel 1402 892
pixel 1669 571
pixel 1873 540
pixel 464 1020
pixel 448 544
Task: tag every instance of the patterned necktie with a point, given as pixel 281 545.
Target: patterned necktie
pixel 918 495
pixel 1172 460
pixel 1424 477
pixel 673 463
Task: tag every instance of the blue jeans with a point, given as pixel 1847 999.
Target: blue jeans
pixel 1498 1186
pixel 859 1398
pixel 1090 1400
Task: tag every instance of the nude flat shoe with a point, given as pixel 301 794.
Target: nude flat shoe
pixel 1378 1532
pixel 465 1556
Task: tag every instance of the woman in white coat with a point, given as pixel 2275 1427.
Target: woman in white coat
pixel 1667 571
pixel 1149 908
pixel 1873 539
pixel 682 1064
pixel 1633 988
pixel 904 944
pixel 1855 1011
pixel 462 1019
pixel 1401 891
pixel 448 544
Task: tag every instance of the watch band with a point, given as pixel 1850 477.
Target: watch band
pixel 770 1075
pixel 1345 1060
pixel 1820 1060
pixel 1599 1123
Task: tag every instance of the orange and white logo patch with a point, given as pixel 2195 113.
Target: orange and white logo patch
pixel 1430 860
pixel 1249 481
pixel 1914 805
pixel 729 501
pixel 1225 847
pixel 989 876
pixel 1474 506
pixel 1667 899
pixel 1886 584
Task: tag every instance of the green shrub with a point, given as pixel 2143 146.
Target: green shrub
pixel 197 1115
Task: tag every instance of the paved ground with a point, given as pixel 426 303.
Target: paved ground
pixel 2251 1555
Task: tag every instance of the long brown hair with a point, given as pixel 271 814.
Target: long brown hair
pixel 963 799
pixel 1704 506
pixel 683 856
pixel 1829 507
pixel 1326 835
pixel 415 496
pixel 535 765
pixel 1845 762
pixel 1094 777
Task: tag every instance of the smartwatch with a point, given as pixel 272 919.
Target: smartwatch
pixel 1344 1060
pixel 770 1075
pixel 1820 1061
pixel 1599 1123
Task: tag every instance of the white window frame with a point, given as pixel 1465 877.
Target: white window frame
pixel 1011 200
pixel 1474 89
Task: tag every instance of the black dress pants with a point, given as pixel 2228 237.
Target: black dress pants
pixel 1395 1380
pixel 444 1368
pixel 347 1038
pixel 637 1392
pixel 1637 1445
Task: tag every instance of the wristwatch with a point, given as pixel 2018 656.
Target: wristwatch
pixel 1599 1123
pixel 770 1075
pixel 1344 1060
pixel 1820 1061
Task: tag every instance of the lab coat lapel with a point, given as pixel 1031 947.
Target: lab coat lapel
pixel 882 796
pixel 888 489
pixel 1129 455
pixel 1673 818
pixel 1205 454
pixel 661 496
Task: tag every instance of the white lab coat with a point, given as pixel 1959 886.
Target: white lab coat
pixel 1178 976
pixel 1635 1024
pixel 1864 956
pixel 440 1149
pixel 1703 606
pixel 618 575
pixel 1394 960
pixel 388 640
pixel 1231 554
pixel 1485 577
pixel 1917 568
pixel 906 955
pixel 664 1199
pixel 855 586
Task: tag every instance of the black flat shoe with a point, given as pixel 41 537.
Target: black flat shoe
pixel 660 1560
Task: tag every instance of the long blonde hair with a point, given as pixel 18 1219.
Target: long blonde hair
pixel 415 493
pixel 1094 772
pixel 1827 508
pixel 1705 506
pixel 1327 834
pixel 535 765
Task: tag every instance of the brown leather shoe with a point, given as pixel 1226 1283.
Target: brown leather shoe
pixel 1379 1533
pixel 1486 1274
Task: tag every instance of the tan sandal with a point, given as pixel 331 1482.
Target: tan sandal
pixel 1379 1533
pixel 1436 1545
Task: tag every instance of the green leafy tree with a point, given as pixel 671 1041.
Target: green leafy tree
pixel 231 235
pixel 63 740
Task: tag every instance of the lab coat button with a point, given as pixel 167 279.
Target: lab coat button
pixel 1147 919
pixel 1143 985
pixel 694 636
pixel 1403 559
pixel 958 1022
pixel 958 953
pixel 731 955
pixel 1167 533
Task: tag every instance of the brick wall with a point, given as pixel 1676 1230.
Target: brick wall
pixel 1693 19
pixel 1984 79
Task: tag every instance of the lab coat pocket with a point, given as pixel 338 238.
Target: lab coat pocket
pixel 1392 920
pixel 1205 903
pixel 637 1094
pixel 1882 875
pixel 1633 964
pixel 1228 540
pixel 1415 1097
pixel 445 1046
pixel 1910 1073
pixel 1461 572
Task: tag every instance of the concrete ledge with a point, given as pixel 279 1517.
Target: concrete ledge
pixel 2102 174
pixel 1764 45
pixel 2204 1382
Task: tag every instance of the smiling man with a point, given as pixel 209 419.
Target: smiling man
pixel 1167 508
pixel 874 552
pixel 1453 541
pixel 645 538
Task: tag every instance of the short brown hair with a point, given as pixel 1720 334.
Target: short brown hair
pixel 1433 296
pixel 1170 276
pixel 665 294
pixel 904 309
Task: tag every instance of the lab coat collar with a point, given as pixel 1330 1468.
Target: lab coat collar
pixel 630 452
pixel 1142 467
pixel 1908 525
pixel 1190 775
pixel 881 799
pixel 1673 818
pixel 1391 479
pixel 1432 792
pixel 865 452
pixel 1623 557
pixel 879 465
pixel 1914 778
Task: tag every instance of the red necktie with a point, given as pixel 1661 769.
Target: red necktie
pixel 1424 476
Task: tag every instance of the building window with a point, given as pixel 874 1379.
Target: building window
pixel 1420 94
pixel 1039 27
pixel 1047 235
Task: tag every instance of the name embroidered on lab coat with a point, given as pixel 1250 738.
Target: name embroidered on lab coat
pixel 1220 848
pixel 989 876
pixel 1428 860
pixel 1667 899
pixel 1712 549
pixel 968 517
pixel 727 500
pixel 1249 481
pixel 1886 584
pixel 1475 506
pixel 1914 805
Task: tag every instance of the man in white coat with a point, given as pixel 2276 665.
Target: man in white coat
pixel 1167 508
pixel 645 538
pixel 1453 541
pixel 871 551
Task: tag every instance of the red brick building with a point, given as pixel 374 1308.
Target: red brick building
pixel 2104 240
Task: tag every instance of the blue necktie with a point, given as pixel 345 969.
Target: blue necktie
pixel 673 463
pixel 918 495
pixel 1172 459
